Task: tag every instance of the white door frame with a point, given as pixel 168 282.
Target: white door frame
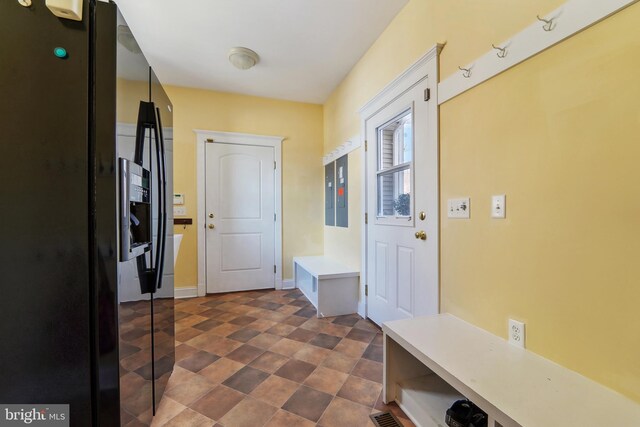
pixel 426 66
pixel 206 136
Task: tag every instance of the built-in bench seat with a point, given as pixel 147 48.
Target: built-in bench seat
pixel 331 286
pixel 430 362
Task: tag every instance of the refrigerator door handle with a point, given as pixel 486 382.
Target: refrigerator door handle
pixel 162 204
pixel 149 118
pixel 163 159
pixel 146 120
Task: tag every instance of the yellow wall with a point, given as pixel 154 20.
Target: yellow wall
pixel 559 135
pixel 415 30
pixel 300 124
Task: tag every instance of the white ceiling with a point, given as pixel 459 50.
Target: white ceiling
pixel 306 47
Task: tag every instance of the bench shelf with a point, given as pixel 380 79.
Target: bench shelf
pixel 427 397
pixel 330 286
pixel 430 362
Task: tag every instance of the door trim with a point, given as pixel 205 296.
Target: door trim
pixel 425 67
pixel 239 139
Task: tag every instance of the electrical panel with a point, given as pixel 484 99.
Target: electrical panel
pixel 342 196
pixel 329 194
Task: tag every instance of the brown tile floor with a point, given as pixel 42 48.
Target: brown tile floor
pixel 262 358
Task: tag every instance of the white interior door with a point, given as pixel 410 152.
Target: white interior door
pixel 402 203
pixel 240 223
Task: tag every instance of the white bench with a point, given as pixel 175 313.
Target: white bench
pixel 430 362
pixel 330 286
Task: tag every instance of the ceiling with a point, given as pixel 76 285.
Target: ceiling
pixel 306 47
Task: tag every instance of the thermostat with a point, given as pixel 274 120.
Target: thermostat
pixel 178 199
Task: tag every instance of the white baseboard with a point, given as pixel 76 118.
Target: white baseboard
pixel 288 284
pixel 190 292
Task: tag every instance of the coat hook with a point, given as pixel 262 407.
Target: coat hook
pixel 466 72
pixel 502 51
pixel 549 24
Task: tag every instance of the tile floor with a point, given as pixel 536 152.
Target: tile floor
pixel 136 370
pixel 262 358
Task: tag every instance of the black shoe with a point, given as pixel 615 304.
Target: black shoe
pixel 463 413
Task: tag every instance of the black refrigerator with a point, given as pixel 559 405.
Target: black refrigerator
pixel 86 246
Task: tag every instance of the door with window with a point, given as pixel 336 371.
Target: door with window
pixel 240 217
pixel 402 208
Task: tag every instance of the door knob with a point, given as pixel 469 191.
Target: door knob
pixel 211 226
pixel 421 235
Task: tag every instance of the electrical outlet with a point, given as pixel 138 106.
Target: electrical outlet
pixel 516 333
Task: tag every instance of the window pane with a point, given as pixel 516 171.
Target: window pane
pixel 395 142
pixel 407 139
pixel 394 193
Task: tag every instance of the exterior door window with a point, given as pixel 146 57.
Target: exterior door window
pixel 394 172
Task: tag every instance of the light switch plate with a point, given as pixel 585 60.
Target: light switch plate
pixel 179 211
pixel 458 208
pixel 498 206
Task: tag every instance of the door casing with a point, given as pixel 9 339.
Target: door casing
pixel 205 136
pixel 425 67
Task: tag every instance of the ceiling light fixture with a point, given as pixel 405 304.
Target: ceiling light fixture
pixel 243 58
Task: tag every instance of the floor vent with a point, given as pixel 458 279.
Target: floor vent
pixel 385 419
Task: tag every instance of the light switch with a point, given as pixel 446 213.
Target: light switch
pixel 458 208
pixel 498 206
pixel 179 211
